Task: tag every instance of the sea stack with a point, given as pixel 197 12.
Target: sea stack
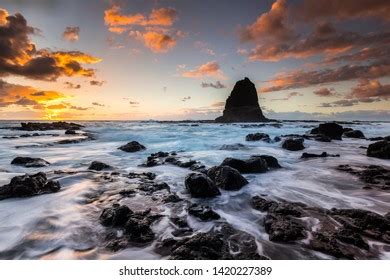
pixel 242 105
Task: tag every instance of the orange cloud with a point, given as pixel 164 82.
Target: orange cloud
pixel 3 16
pixel 367 89
pixel 159 17
pixel 19 56
pixel 209 69
pixel 158 42
pixel 270 24
pixel 325 92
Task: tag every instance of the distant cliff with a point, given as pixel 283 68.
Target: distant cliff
pixel 242 105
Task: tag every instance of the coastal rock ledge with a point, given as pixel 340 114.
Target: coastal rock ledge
pixel 242 105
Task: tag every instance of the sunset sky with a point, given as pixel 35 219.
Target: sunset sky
pixel 173 60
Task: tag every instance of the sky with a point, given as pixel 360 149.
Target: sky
pixel 179 59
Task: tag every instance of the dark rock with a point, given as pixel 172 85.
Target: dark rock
pixel 172 198
pixel 257 137
pixel 327 243
pixel 277 139
pixel 322 155
pixel 332 130
pixel 201 186
pixel 242 105
pixel 28 185
pixel 354 134
pixel 234 147
pixel 31 126
pixel 374 176
pixel 322 138
pixel 271 161
pixel 150 188
pixel 262 204
pixel 293 144
pixel 138 230
pixel 351 237
pixel 30 162
pixel 380 149
pixel 132 147
pixel 70 132
pixel 252 165
pixel 98 166
pixel 115 216
pixel 145 175
pixel 205 213
pixel 283 229
pixel 227 178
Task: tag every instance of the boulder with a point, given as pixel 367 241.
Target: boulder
pixel 70 132
pixel 380 149
pixel 252 165
pixel 293 144
pixel 227 178
pixel 322 155
pixel 283 228
pixel 205 213
pixel 132 147
pixel 354 134
pixel 332 130
pixel 32 126
pixel 201 186
pixel 28 185
pixel 242 105
pixel 257 137
pixel 30 162
pixel 98 166
pixel 115 216
pixel 271 161
pixel 234 147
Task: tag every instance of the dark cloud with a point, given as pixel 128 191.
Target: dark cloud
pixel 325 92
pixel 71 33
pixel 186 98
pixel 300 78
pixel 216 85
pixel 98 104
pixel 72 85
pixel 19 56
pixel 96 83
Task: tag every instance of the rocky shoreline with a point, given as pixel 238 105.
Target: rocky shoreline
pixel 340 233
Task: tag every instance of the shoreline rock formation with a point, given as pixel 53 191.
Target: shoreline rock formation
pixel 242 105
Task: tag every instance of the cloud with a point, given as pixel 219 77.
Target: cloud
pixel 219 104
pixel 96 83
pixel 368 89
pixel 381 52
pixel 269 25
pixel 300 78
pixel 325 92
pixel 98 104
pixel 159 17
pixel 14 94
pixel 19 56
pixel 204 47
pixel 157 42
pixel 288 97
pixel 3 16
pixel 340 103
pixel 71 33
pixel 343 10
pixel 154 31
pixel 186 98
pixel 209 69
pixel 216 85
pixel 71 85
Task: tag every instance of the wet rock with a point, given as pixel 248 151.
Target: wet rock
pixel 262 204
pixel 70 132
pixel 172 198
pixel 374 176
pixel 150 188
pixel 30 162
pixel 98 166
pixel 380 149
pixel 283 228
pixel 332 130
pixel 380 138
pixel 242 105
pixel 145 175
pixel 258 137
pixel 227 178
pixel 293 144
pixel 322 155
pixel 252 165
pixel 326 242
pixel 202 246
pixel 234 147
pixel 28 185
pixel 115 216
pixel 205 213
pixel 271 161
pixel 132 147
pixel 351 237
pixel 138 230
pixel 354 134
pixel 322 138
pixel 201 186
pixel 32 126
